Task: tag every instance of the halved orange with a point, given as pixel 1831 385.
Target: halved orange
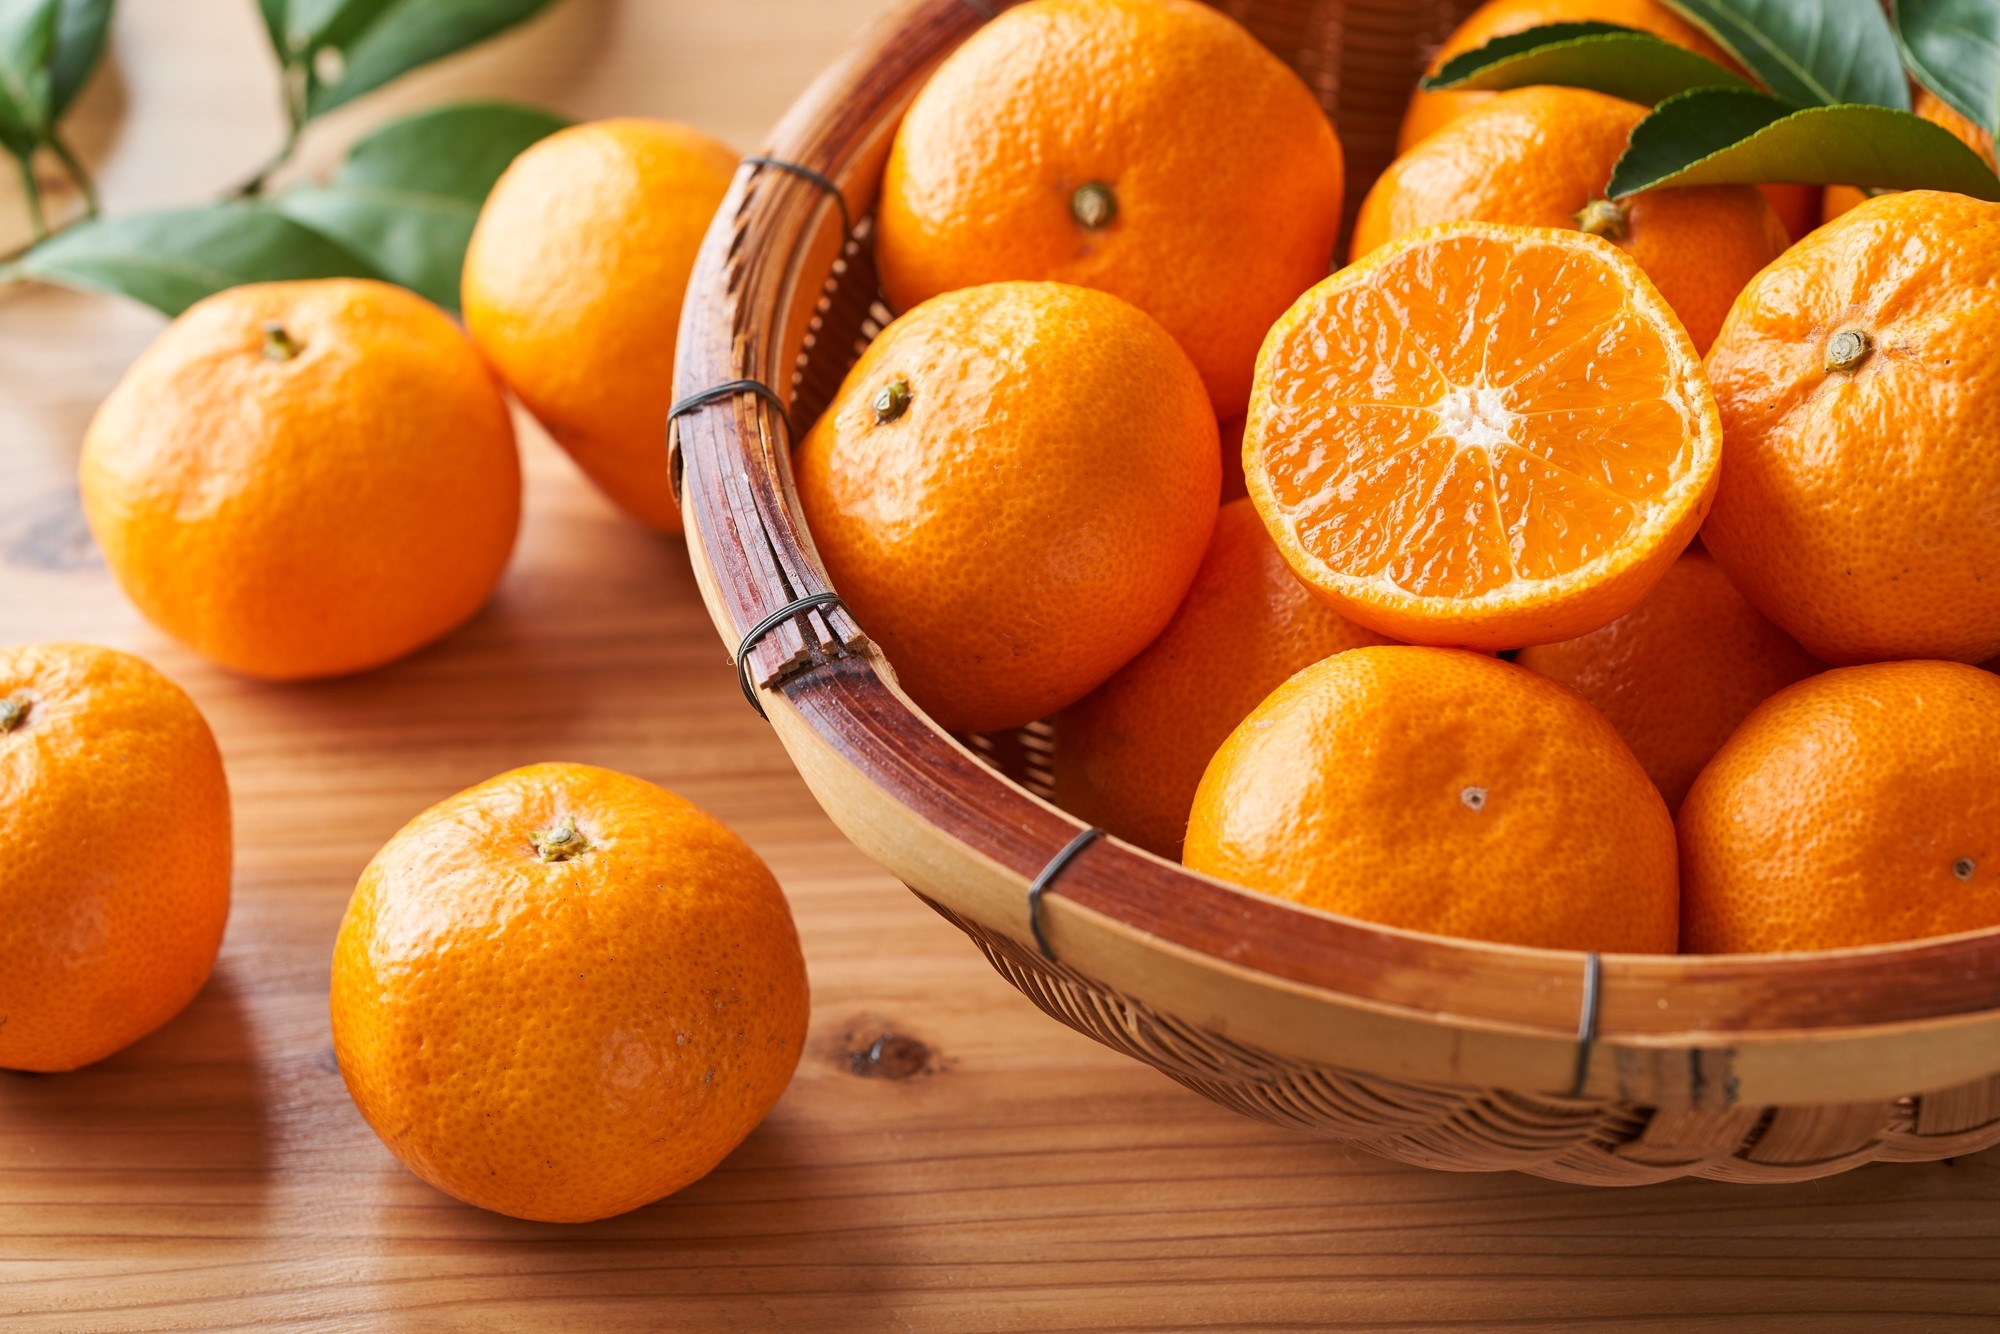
pixel 1482 435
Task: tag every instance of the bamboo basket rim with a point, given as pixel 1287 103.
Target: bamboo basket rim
pixel 961 832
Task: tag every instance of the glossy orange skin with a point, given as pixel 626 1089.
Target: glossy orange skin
pixel 573 284
pixel 1442 791
pixel 1841 199
pixel 566 1040
pixel 1430 112
pixel 1376 454
pixel 1536 156
pixel 1130 755
pixel 1856 506
pixel 313 516
pixel 1227 174
pixel 1034 517
pixel 1859 807
pixel 114 854
pixel 1678 672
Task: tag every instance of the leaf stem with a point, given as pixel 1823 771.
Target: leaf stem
pixel 38 221
pixel 74 166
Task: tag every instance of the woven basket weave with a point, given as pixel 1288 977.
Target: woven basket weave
pixel 1448 1053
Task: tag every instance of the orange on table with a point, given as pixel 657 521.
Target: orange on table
pixel 114 853
pixel 1859 807
pixel 1430 112
pixel 1149 148
pixel 1482 435
pixel 1541 157
pixel 1012 492
pixel 1859 384
pixel 304 479
pixel 565 993
pixel 1678 672
pixel 1841 199
pixel 1130 754
pixel 573 284
pixel 1442 791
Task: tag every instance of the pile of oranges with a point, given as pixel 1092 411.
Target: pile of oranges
pixel 1561 571
pixel 1606 574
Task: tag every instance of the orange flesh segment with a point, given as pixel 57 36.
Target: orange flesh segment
pixel 1482 413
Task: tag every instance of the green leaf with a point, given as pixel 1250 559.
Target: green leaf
pixel 27 41
pixel 172 260
pixel 404 34
pixel 1953 47
pixel 1809 52
pixel 408 195
pixel 1724 137
pixel 81 27
pixel 1622 62
pixel 276 20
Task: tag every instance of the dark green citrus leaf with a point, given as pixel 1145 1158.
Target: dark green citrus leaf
pixel 1809 52
pixel 1722 137
pixel 1953 47
pixel 404 34
pixel 173 259
pixel 408 195
pixel 27 41
pixel 81 27
pixel 1604 57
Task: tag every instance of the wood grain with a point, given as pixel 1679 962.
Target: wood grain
pixel 215 1176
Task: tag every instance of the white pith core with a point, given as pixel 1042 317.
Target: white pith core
pixel 1475 415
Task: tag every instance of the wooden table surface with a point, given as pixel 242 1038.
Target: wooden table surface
pixel 216 1176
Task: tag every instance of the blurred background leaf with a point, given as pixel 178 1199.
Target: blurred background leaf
pixel 170 260
pixel 1726 137
pixel 1809 52
pixel 27 41
pixel 1953 47
pixel 81 28
pixel 1603 57
pixel 408 195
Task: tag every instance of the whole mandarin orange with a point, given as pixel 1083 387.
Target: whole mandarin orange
pixel 1859 383
pixel 1482 436
pixel 114 853
pixel 565 993
pixel 304 479
pixel 1012 492
pixel 1442 791
pixel 1430 112
pixel 1678 672
pixel 1841 199
pixel 1859 807
pixel 1148 148
pixel 573 284
pixel 1541 157
pixel 1130 754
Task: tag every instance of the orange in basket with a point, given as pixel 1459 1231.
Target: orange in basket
pixel 1482 435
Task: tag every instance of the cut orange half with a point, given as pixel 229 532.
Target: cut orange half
pixel 1482 435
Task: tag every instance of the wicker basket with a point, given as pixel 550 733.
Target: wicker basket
pixel 1448 1053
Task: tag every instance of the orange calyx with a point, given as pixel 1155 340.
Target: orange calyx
pixel 1094 206
pixel 279 345
pixel 560 843
pixel 14 712
pixel 1848 349
pixel 1605 218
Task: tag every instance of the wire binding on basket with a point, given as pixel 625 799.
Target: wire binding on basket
pixel 765 627
pixel 701 398
pixel 1586 1024
pixel 808 174
pixel 1047 877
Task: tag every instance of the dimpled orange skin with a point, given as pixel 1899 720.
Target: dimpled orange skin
pixel 1033 518
pixel 1442 791
pixel 1678 672
pixel 308 516
pixel 564 1040
pixel 1536 156
pixel 573 284
pixel 1130 755
pixel 1430 112
pixel 1482 436
pixel 1856 507
pixel 1859 807
pixel 1227 174
pixel 114 853
pixel 1841 199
